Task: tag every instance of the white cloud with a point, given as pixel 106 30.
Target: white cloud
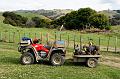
pixel 58 4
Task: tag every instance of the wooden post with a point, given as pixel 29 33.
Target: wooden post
pixel 5 37
pixel 29 35
pixel 0 36
pixel 55 36
pixel 13 37
pixel 41 36
pixel 60 37
pixel 116 44
pixel 68 41
pixel 47 36
pixel 99 42
pixel 74 41
pixel 9 37
pixel 19 36
pixel 108 44
pixel 24 34
pixel 35 35
pixel 80 42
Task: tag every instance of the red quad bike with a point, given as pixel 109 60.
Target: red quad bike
pixel 33 52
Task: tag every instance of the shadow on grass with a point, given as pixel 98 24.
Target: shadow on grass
pixel 68 62
pixel 12 60
pixel 9 60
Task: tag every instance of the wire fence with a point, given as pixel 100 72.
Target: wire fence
pixel 105 43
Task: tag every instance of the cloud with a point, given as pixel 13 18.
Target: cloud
pixel 58 4
pixel 115 4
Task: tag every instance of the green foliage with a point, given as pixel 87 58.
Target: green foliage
pixel 14 19
pixel 18 20
pixel 82 19
pixel 39 22
pixel 115 20
pixel 99 21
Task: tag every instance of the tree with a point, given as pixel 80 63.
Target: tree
pixel 39 22
pixel 99 21
pixel 84 15
pixel 76 19
pixel 14 19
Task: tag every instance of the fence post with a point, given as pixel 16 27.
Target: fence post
pixel 99 42
pixel 68 41
pixel 74 41
pixel 108 44
pixel 60 36
pixel 0 36
pixel 29 35
pixel 116 44
pixel 5 37
pixel 13 37
pixel 35 35
pixel 55 36
pixel 24 34
pixel 9 37
pixel 80 42
pixel 41 36
pixel 47 36
pixel 19 36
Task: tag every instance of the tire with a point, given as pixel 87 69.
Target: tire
pixel 57 59
pixel 27 59
pixel 92 62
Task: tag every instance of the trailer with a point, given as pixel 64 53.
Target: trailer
pixel 90 60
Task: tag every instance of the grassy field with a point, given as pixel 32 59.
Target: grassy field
pixel 10 67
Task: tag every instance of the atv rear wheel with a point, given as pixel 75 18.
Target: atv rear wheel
pixel 27 58
pixel 57 59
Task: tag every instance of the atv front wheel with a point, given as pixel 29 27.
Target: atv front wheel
pixel 27 58
pixel 57 59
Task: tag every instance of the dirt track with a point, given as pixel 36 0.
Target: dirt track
pixel 111 61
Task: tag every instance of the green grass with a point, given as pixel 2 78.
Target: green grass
pixel 31 15
pixel 10 68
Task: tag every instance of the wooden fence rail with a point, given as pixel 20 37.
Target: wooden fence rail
pixel 71 40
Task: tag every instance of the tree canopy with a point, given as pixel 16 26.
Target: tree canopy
pixel 83 18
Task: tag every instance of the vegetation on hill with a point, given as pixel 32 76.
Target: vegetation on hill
pixel 113 15
pixel 52 14
pixel 82 19
pixel 30 15
pixel 14 19
pixel 18 20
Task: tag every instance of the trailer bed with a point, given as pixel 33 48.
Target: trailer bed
pixel 87 56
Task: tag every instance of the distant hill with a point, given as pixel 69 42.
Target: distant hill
pixel 52 14
pixel 109 13
pixel 29 15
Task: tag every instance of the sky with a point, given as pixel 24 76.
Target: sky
pixel 98 5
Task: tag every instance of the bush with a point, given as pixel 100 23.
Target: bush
pixel 14 19
pixel 108 27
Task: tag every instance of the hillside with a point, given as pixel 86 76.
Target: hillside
pixel 52 14
pixel 109 13
pixel 30 15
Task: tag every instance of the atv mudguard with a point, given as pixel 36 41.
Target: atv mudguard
pixel 62 51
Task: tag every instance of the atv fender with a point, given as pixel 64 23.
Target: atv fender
pixel 34 52
pixel 56 50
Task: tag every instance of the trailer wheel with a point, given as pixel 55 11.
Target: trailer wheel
pixel 92 62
